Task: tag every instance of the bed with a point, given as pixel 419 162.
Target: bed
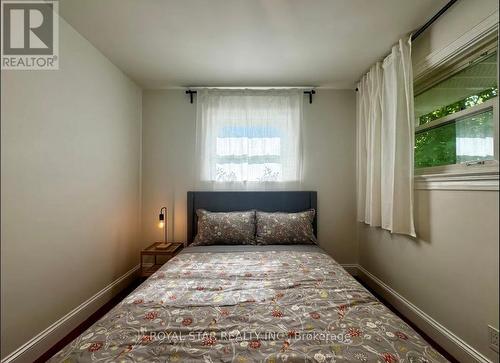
pixel 247 303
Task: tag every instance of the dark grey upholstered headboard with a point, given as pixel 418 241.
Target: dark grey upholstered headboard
pixel 282 201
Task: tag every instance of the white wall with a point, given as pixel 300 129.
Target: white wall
pixel 451 270
pixel 70 186
pixel 329 149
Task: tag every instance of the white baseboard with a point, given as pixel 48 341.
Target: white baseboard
pixel 46 339
pixel 453 344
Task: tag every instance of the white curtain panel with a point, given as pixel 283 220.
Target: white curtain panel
pixel 249 139
pixel 385 142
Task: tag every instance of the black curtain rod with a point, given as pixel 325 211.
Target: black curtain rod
pixel 432 20
pixel 310 93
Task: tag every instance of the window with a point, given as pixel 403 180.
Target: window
pixel 249 136
pixel 248 153
pixel 456 119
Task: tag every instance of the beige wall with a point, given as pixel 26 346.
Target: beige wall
pixel 70 186
pixel 451 271
pixel 329 149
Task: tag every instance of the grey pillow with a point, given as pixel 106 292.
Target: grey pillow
pixel 225 228
pixel 285 228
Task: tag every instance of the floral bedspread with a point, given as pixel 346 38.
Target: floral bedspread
pixel 265 306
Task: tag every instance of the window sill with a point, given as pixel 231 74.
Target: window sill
pixel 484 178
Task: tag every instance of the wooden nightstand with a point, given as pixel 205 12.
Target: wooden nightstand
pixel 165 254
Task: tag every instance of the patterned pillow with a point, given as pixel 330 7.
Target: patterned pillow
pixel 285 228
pixel 225 228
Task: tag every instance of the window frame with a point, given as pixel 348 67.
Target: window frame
pixel 482 175
pixel 491 104
pixel 211 117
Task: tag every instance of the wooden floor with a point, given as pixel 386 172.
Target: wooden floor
pixel 108 306
pixel 91 320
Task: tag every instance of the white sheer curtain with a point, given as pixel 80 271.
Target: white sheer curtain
pixel 249 139
pixel 385 142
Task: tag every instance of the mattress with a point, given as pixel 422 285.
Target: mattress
pixel 250 304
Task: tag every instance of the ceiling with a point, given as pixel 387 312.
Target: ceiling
pixel 181 43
